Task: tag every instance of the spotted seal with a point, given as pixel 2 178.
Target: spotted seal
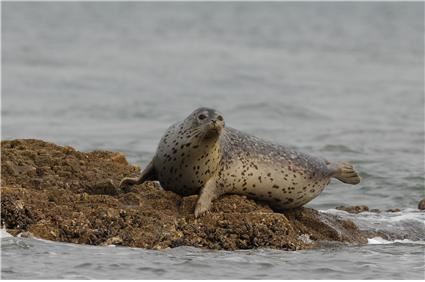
pixel 201 156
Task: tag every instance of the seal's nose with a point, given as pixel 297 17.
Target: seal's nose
pixel 214 124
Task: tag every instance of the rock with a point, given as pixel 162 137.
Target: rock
pixel 394 210
pixel 26 234
pixel 421 204
pixel 114 241
pixel 54 167
pixel 103 188
pixel 354 209
pixel 119 158
pixel 359 209
pixel 70 196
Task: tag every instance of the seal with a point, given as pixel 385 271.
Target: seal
pixel 200 155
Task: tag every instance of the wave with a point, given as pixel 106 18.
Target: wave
pixel 382 241
pixel 407 224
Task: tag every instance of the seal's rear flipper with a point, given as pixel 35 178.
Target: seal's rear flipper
pixel 149 173
pixel 345 172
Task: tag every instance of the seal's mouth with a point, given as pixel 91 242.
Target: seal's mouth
pixel 213 129
pixel 214 126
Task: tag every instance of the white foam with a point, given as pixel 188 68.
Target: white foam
pixel 305 238
pixel 4 233
pixel 382 241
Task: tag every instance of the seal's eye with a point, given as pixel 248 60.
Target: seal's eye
pixel 220 118
pixel 202 116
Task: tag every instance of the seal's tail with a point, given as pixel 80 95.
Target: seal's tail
pixel 346 173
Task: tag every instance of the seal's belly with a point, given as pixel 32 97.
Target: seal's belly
pixel 283 185
pixel 183 180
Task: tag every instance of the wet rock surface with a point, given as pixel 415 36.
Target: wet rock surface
pixel 421 204
pixel 58 193
pixel 363 208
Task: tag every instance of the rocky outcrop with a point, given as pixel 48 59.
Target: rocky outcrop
pixel 58 193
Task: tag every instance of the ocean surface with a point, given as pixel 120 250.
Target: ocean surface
pixel 344 81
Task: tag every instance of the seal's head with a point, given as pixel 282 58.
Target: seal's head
pixel 208 121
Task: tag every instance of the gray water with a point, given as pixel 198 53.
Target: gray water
pixel 340 80
pixel 395 261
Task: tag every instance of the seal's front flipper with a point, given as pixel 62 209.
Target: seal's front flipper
pixel 149 173
pixel 208 194
pixel 345 172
